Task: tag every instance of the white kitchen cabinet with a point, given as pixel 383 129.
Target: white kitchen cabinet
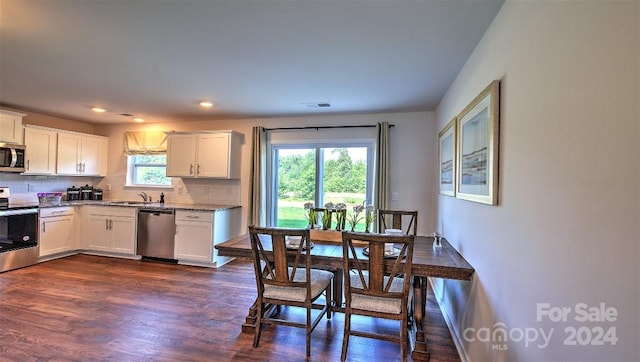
pixel 194 236
pixel 109 229
pixel 41 150
pixel 80 154
pixel 211 154
pixel 197 233
pixel 56 234
pixel 11 126
pixel 181 155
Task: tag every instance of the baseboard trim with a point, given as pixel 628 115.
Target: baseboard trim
pixel 456 338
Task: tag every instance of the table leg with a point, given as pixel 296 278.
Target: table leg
pixel 420 350
pixel 338 276
pixel 249 325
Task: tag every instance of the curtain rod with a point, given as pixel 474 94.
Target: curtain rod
pixel 321 127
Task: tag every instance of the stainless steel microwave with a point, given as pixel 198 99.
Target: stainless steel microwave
pixel 11 157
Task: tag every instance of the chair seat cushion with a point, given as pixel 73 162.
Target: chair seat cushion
pixel 319 281
pixel 377 304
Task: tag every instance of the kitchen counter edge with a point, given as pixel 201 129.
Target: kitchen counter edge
pixel 154 205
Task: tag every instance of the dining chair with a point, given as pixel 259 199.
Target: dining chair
pixel 407 221
pixel 376 284
pixel 284 277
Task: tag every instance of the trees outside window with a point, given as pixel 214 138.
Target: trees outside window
pixel 318 175
pixel 147 170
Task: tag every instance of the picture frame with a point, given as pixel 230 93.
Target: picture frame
pixel 447 159
pixel 478 137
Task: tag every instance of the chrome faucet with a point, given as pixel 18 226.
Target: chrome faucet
pixel 144 196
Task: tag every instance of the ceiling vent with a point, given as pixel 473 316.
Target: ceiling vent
pixel 125 115
pixel 318 105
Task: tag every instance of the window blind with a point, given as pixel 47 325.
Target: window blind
pixel 145 143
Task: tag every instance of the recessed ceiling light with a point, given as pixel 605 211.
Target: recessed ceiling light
pixel 206 104
pixel 138 119
pixel 98 110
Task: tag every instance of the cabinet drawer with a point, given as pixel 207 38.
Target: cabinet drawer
pixel 112 211
pixel 56 211
pixel 199 216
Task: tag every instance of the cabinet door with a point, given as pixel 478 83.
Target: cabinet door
pixel 102 157
pixel 97 235
pixel 89 155
pixel 181 155
pixel 55 235
pixel 68 159
pixel 41 151
pixel 11 127
pixel 194 241
pixel 123 234
pixel 213 155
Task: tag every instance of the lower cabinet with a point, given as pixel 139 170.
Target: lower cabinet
pixel 197 232
pixel 56 232
pixel 109 229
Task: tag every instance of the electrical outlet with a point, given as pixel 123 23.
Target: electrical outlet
pixel 30 187
pixel 228 190
pixel 394 196
pixel 108 187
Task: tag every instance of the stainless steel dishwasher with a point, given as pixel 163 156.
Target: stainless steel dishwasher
pixel 156 233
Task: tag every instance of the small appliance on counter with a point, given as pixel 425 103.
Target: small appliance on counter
pixel 73 193
pixel 86 192
pixel 97 194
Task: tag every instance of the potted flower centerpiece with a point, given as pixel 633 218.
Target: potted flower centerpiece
pixel 310 214
pixel 369 217
pixel 355 217
pixel 326 215
pixel 341 215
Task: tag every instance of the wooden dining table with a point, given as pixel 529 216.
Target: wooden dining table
pixel 428 261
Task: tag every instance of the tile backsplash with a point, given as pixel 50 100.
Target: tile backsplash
pixel 183 191
pixel 26 188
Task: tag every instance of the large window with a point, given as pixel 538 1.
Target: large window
pixel 147 170
pixel 318 174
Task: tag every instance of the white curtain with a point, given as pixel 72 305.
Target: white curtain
pixel 145 143
pixel 381 188
pixel 258 200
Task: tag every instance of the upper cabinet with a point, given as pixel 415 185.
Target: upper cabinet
pixel 81 154
pixel 52 151
pixel 212 154
pixel 41 145
pixel 11 126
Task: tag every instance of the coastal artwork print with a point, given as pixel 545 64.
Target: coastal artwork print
pixel 447 154
pixel 478 148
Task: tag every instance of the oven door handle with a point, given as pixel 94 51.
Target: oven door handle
pixel 33 210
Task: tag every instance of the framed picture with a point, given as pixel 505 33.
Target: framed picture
pixel 477 148
pixel 447 157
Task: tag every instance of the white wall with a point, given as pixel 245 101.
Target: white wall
pixel 566 227
pixel 411 158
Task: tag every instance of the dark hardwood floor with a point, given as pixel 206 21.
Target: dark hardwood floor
pixel 89 308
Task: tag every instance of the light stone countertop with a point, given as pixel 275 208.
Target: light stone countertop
pixel 144 205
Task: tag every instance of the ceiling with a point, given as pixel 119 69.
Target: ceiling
pixel 158 59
